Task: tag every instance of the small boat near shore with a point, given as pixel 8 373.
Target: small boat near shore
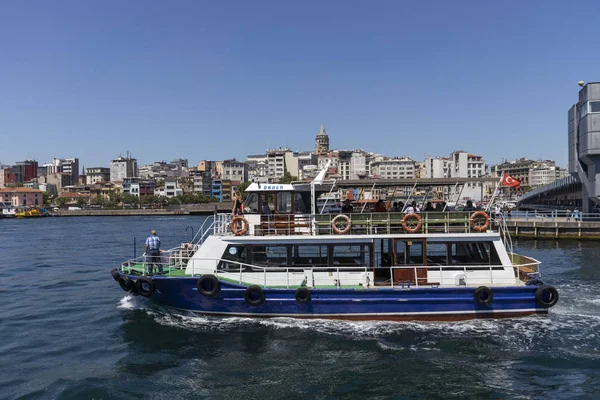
pixel 283 259
pixel 7 210
pixel 31 213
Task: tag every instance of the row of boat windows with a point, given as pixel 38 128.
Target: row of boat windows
pixel 389 253
pixel 281 202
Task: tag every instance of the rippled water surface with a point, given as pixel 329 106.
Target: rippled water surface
pixel 68 331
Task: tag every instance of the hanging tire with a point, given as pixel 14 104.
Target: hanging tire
pixel 302 295
pixel 483 295
pixel 254 295
pixel 208 285
pixel 125 283
pixel 115 274
pixel 546 296
pixel 145 286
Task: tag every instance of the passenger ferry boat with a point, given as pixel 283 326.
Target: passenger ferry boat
pixel 283 259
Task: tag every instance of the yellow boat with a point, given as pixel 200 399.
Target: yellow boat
pixel 30 213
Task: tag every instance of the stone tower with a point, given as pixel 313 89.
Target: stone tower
pixel 322 141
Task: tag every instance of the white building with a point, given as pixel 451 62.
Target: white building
pixel 235 170
pixel 171 189
pixel 97 174
pixel 257 168
pixel 393 168
pixel 276 164
pixel 123 167
pixel 460 164
pixel 69 166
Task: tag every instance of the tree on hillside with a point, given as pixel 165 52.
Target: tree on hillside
pixel 242 188
pixel 288 178
pixel 61 201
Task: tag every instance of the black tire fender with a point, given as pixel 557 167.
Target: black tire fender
pixel 115 274
pixel 483 295
pixel 125 283
pixel 208 285
pixel 145 286
pixel 302 295
pixel 546 296
pixel 254 295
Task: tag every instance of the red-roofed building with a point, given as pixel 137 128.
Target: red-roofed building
pixel 21 196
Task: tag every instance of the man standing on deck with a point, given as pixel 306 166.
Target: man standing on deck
pixel 153 251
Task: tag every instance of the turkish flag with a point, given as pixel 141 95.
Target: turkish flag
pixel 508 180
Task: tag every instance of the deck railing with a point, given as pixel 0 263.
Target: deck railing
pixel 174 262
pixel 359 223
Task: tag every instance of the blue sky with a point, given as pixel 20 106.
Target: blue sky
pixel 215 80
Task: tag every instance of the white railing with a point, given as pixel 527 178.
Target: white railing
pixel 360 223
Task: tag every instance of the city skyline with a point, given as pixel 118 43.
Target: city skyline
pixel 216 81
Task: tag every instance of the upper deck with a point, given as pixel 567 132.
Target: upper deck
pixel 378 223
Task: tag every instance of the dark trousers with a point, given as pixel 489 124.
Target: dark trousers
pixel 154 258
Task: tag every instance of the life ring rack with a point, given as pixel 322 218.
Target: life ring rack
pixel 477 227
pixel 408 217
pixel 235 227
pixel 342 220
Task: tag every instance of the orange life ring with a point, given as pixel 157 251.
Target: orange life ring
pixel 480 228
pixel 337 219
pixel 235 227
pixel 405 225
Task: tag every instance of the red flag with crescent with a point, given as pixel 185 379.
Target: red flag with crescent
pixel 508 180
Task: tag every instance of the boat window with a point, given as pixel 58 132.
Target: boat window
pixel 269 255
pixel 437 253
pixel 284 202
pixel 409 252
pixel 234 254
pixel 355 255
pixel 267 203
pixel 251 204
pixel 469 253
pixel 310 256
pixel 301 202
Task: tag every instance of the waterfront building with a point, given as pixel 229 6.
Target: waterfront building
pixel 203 183
pixel 460 164
pixel 276 164
pixel 393 168
pixel 97 174
pixel 205 166
pixel 353 164
pixel 22 196
pixel 123 167
pixel 322 141
pixel 138 186
pixel 583 141
pixel 531 173
pixel 68 166
pixel 217 189
pixel 257 168
pixel 170 189
pixel 331 158
pixel 234 170
pixel 25 171
pixel 295 161
pixel 58 180
pixel 6 175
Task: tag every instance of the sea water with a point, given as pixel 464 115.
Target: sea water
pixel 68 331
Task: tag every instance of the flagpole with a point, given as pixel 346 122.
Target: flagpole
pixel 487 208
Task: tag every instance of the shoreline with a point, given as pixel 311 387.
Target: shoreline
pixel 184 209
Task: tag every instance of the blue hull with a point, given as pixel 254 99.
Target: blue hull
pixel 438 304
